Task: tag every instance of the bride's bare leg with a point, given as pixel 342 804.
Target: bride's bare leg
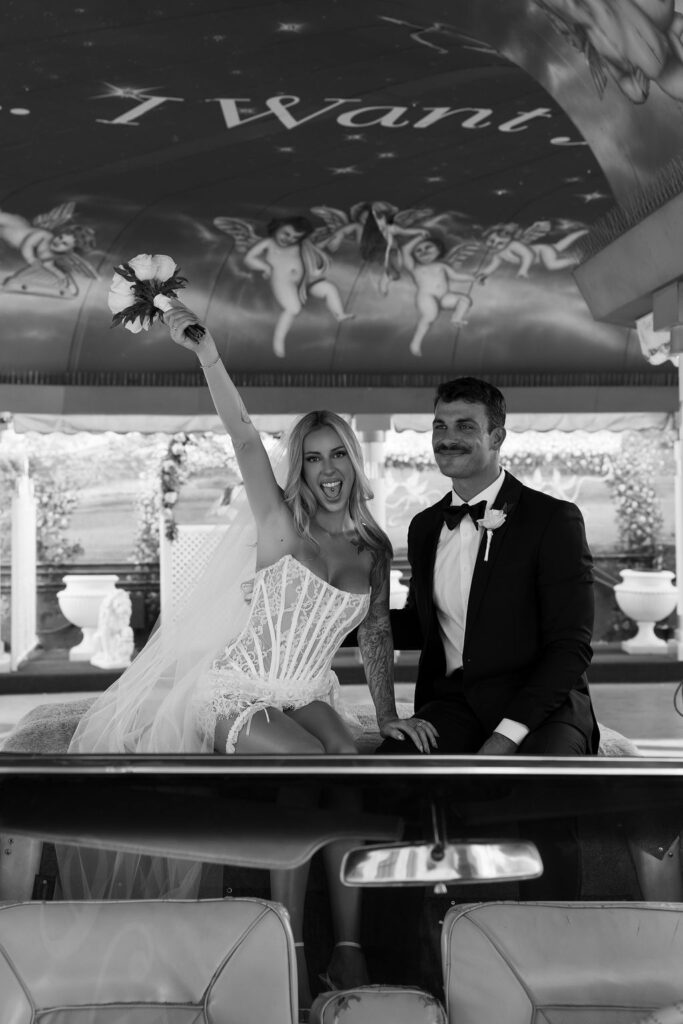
pixel 323 722
pixel 277 733
pixel 289 888
pixel 271 732
pixel 347 966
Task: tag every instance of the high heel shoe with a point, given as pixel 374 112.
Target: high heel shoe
pixel 331 985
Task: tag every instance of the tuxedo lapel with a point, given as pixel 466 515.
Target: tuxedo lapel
pixel 507 500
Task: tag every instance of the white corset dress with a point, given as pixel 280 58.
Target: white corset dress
pixel 282 658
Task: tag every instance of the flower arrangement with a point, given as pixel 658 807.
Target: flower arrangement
pixel 173 475
pixel 630 480
pixel 141 291
pixel 55 504
pixel 148 509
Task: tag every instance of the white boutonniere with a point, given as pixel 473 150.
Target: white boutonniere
pixel 490 521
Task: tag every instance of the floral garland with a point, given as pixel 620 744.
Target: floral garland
pixel 629 474
pixel 173 476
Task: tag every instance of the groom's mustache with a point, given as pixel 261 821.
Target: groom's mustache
pixel 450 448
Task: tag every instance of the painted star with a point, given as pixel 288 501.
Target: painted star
pixel 571 181
pixel 386 156
pixel 501 192
pixel 345 170
pixel 435 178
pixel 127 92
pixel 218 38
pixel 592 197
pixel 291 26
pixel 357 137
pixel 285 149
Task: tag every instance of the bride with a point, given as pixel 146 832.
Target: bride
pixel 253 676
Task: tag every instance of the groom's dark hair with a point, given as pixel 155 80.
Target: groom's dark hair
pixel 472 389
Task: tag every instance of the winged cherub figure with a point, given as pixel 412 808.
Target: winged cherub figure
pixel 294 267
pixel 53 243
pixel 438 285
pixel 509 243
pixel 378 229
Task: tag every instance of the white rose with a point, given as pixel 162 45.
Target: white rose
pixel 121 294
pixel 135 326
pixel 147 268
pixel 493 518
pixel 165 267
pixel 170 498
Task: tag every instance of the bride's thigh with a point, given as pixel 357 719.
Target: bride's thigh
pixel 323 722
pixel 267 733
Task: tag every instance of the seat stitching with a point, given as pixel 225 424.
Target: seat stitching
pixel 10 963
pixel 238 942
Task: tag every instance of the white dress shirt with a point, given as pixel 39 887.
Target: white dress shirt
pixel 456 555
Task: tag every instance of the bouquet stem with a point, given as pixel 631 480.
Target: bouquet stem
pixel 195 332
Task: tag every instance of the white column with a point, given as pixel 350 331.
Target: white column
pixel 371 430
pixel 678 512
pixel 24 571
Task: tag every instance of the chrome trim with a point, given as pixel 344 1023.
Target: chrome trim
pixel 335 766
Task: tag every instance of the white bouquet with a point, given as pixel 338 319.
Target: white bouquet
pixel 141 290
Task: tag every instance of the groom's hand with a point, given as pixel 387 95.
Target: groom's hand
pixel 422 733
pixel 498 745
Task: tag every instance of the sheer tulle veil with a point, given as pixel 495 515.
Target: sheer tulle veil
pixel 149 709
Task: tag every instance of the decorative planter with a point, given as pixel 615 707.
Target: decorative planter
pixel 80 603
pixel 647 598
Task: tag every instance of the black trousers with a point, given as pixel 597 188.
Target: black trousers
pixel 461 732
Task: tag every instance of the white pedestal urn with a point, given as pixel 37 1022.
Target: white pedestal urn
pixel 647 597
pixel 80 603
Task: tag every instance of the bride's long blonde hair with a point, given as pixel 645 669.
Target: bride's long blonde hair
pixel 300 498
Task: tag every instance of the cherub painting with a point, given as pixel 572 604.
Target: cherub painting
pixel 377 229
pixel 54 245
pixel 510 243
pixel 438 285
pixel 294 267
pixel 633 42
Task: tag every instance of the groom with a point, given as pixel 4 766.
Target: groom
pixel 500 600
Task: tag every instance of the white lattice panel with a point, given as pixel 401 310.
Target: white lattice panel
pixel 182 560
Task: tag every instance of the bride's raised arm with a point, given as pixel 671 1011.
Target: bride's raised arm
pixel 262 490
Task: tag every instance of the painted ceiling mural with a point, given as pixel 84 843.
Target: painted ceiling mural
pixel 389 189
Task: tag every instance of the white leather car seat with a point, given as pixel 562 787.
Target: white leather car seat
pixel 561 963
pixel 147 962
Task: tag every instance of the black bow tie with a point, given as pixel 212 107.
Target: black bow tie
pixel 452 514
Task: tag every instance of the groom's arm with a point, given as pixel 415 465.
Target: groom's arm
pixel 565 607
pixel 405 622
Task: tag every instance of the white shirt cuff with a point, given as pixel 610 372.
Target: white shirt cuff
pixel 514 731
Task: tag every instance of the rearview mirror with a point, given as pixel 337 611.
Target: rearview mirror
pixel 460 861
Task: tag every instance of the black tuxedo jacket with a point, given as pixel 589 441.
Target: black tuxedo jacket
pixel 529 617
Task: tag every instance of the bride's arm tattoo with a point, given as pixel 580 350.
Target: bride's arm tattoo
pixel 375 641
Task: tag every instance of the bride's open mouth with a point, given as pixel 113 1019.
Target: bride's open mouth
pixel 331 489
